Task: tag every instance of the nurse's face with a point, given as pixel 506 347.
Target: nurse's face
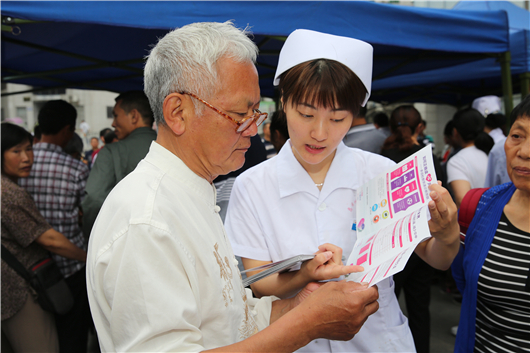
pixel 315 132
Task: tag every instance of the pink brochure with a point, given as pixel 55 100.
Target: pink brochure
pixel 392 217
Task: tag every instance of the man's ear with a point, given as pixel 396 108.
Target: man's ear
pixel 135 117
pixel 175 110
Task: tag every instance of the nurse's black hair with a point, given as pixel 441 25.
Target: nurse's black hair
pixel 323 82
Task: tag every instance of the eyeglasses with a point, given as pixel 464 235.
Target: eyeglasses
pixel 242 124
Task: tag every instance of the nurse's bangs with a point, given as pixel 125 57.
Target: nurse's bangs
pixel 323 82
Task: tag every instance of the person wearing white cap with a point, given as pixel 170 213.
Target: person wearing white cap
pixel 304 197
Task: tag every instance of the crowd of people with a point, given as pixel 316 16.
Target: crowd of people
pixel 151 230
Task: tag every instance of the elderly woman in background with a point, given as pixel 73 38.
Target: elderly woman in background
pixel 27 235
pixel 492 269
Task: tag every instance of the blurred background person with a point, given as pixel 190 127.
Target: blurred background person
pixel 74 148
pixel 266 140
pixel 85 129
pixel 494 125
pixel 37 134
pixel 94 146
pixel 363 135
pixel 133 121
pixel 381 123
pixel 107 136
pixel 422 138
pixel 490 108
pixel 57 184
pixel 278 129
pixel 416 278
pixel 492 268
pixel 450 147
pixel 467 169
pixel 29 237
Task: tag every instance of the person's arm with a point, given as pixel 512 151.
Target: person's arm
pixel 57 243
pixel 336 310
pixel 100 182
pixel 440 250
pixel 327 264
pixel 460 189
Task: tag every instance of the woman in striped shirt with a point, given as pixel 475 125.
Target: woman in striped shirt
pixel 492 269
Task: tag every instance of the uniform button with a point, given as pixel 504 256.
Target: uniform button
pixel 236 262
pixel 322 206
pixel 254 312
pixel 217 209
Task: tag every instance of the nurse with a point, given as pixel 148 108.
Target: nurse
pixel 304 197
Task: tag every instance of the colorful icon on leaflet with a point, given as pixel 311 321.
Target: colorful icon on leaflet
pixel 400 171
pixel 403 191
pixel 402 205
pixel 383 203
pixel 376 218
pixel 360 225
pixel 399 182
pixel 374 207
pixel 385 215
pixel 429 178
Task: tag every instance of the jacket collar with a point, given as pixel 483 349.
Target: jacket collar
pixel 292 177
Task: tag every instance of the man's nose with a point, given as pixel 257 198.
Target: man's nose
pixel 251 130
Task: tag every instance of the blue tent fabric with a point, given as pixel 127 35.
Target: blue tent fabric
pixel 110 38
pixel 463 82
pixel 519 24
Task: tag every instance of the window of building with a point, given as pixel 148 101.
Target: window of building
pixel 22 112
pixel 109 112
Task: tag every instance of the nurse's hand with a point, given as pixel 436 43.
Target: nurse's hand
pixel 327 264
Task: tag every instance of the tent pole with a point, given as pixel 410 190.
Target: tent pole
pixel 507 91
pixel 525 84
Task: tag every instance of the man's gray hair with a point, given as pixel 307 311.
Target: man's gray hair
pixel 184 60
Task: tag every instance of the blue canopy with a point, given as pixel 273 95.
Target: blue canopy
pixel 101 44
pixel 475 78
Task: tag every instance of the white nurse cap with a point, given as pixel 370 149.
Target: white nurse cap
pixel 487 105
pixel 304 45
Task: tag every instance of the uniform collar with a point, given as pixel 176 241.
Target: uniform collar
pixel 292 177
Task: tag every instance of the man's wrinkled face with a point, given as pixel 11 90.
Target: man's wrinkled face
pixel 219 148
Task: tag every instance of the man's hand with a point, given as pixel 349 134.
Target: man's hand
pixel 337 310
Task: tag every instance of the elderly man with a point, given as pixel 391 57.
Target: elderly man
pixel 161 272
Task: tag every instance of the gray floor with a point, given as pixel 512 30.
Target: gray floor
pixel 444 314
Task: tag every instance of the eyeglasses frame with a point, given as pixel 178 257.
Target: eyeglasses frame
pixel 255 117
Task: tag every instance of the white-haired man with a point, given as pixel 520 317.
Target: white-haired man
pixel 161 273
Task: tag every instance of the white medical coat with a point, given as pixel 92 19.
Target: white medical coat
pixel 276 211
